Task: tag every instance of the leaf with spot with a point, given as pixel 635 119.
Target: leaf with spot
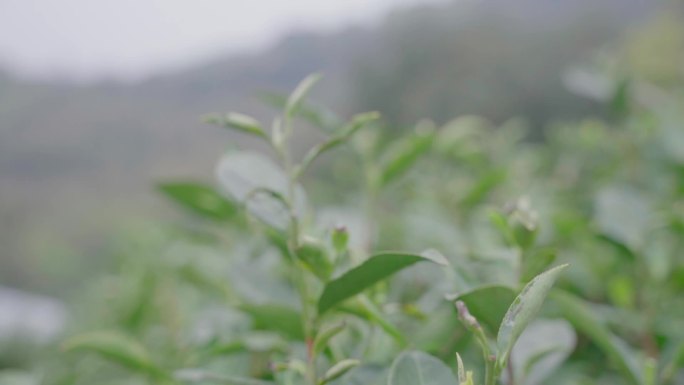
pixel 523 310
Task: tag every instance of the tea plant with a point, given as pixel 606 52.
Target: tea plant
pixel 332 314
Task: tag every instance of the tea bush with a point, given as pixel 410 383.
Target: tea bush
pixel 461 254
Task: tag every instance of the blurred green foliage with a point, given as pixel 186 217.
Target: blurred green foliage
pixel 216 290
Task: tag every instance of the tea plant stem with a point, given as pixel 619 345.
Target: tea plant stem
pixel 308 313
pixel 490 360
pixel 492 371
pixel 509 370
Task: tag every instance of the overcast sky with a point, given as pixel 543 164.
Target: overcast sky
pixel 129 39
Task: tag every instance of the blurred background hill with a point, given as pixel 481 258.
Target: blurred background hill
pixel 77 160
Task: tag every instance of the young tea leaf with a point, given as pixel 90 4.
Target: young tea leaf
pixel 199 198
pixel 404 154
pixel 523 309
pixel 314 256
pixel 297 96
pixel 338 370
pixel 345 133
pixel 324 336
pixel 370 272
pixel 315 114
pixel 237 121
pixel 418 368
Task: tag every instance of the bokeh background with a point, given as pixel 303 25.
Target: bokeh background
pixel 99 100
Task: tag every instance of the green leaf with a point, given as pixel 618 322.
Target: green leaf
pixel 576 311
pixel 297 96
pixel 115 347
pixel 461 369
pixel 199 198
pixel 367 310
pixel 624 215
pixel 260 184
pixel 370 272
pixel 485 184
pixel 318 116
pixel 488 304
pixel 237 121
pixel 313 255
pixel 277 318
pixel 340 238
pixel 338 370
pixel 500 221
pixel 541 349
pixel 523 309
pixel 204 376
pixel 404 153
pixel 418 368
pixel 324 336
pixel 345 133
pixel 536 261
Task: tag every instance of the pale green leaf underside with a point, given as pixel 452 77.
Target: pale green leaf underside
pixel 523 309
pixel 418 368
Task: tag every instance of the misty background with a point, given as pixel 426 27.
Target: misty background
pixel 100 100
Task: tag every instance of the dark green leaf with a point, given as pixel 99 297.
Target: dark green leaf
pixel 534 262
pixel 277 318
pixel 370 272
pixel 488 304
